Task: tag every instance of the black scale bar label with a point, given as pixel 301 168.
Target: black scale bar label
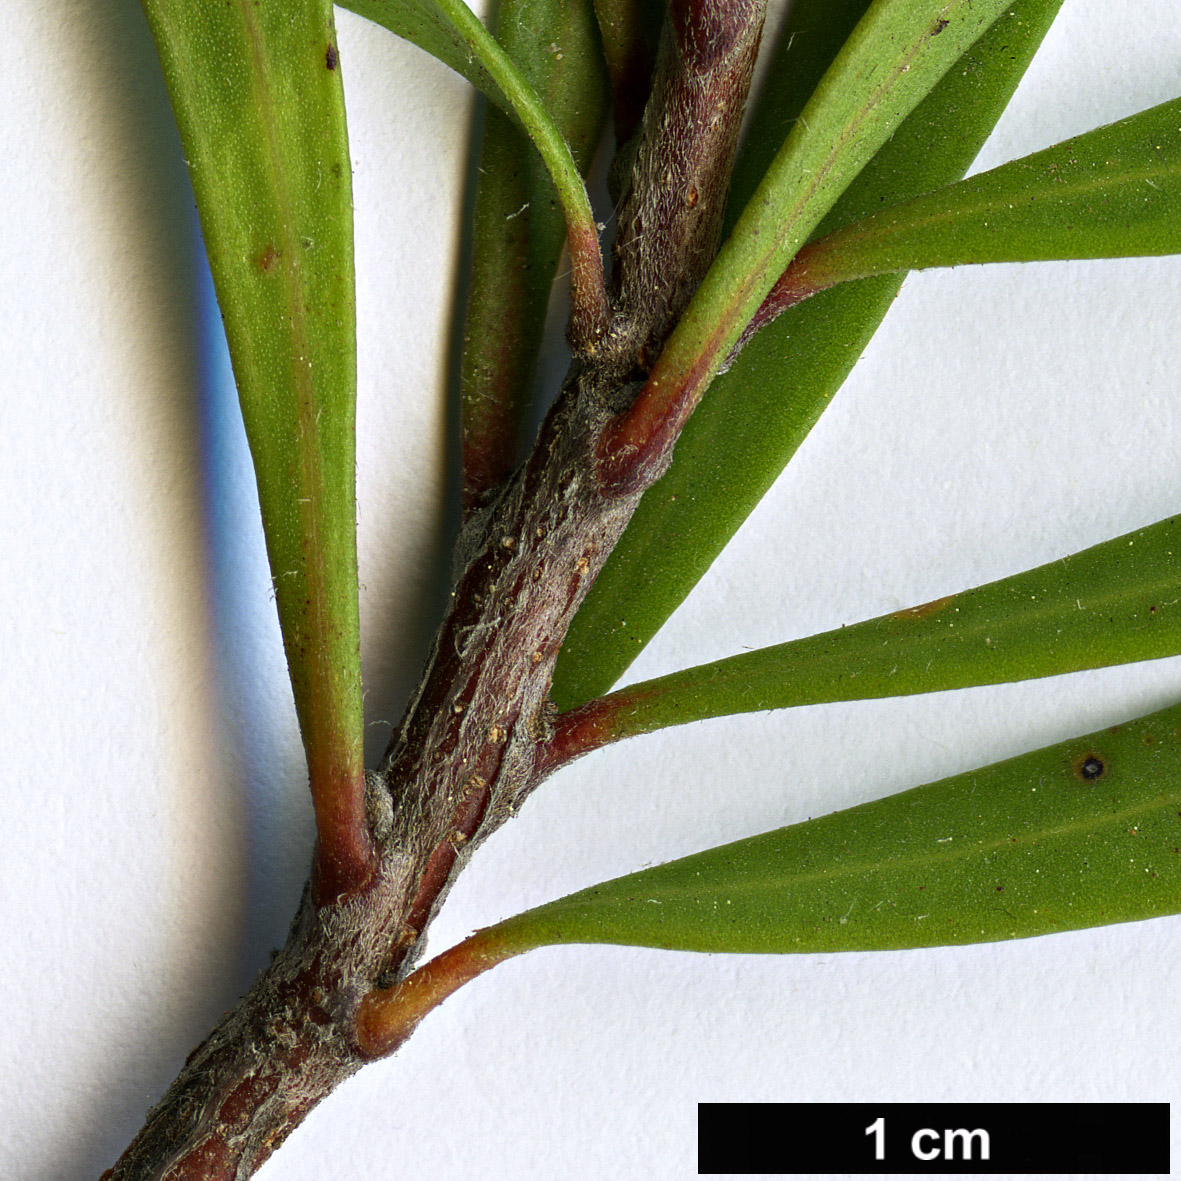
pixel 814 1139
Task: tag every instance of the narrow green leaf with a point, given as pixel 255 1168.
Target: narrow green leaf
pixel 450 31
pixel 754 416
pixel 519 228
pixel 1079 834
pixel 811 37
pixel 257 95
pixel 1111 193
pixel 1115 602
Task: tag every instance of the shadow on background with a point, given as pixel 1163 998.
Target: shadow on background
pixel 141 171
pixel 141 168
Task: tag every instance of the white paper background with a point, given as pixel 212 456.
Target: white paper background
pixel 155 826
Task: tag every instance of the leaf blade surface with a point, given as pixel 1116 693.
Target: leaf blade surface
pixel 450 31
pixel 894 57
pixel 1082 833
pixel 1116 602
pixel 1114 192
pixel 258 100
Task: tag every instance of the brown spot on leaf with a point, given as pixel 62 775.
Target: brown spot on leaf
pixel 267 259
pixel 924 610
pixel 940 25
pixel 330 58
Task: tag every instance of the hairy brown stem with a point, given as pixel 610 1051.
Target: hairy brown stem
pixel 466 756
pixel 476 738
pixel 670 223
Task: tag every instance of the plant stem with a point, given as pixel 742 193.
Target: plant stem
pixel 467 755
pixel 670 223
pixel 473 743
